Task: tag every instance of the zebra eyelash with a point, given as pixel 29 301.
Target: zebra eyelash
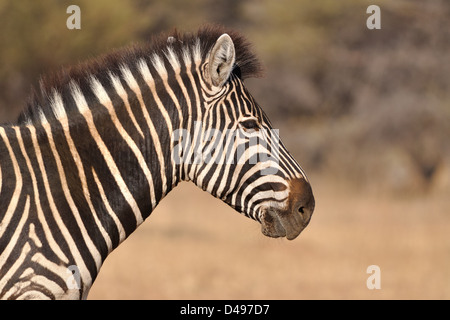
pixel 250 125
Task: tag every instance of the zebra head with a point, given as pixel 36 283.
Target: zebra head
pixel 237 156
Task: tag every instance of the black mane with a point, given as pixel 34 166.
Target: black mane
pixel 39 101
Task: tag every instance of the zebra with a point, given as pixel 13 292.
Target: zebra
pixel 100 144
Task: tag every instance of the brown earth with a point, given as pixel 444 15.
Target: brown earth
pixel 195 247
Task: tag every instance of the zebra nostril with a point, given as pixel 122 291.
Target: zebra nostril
pixel 302 199
pixel 304 210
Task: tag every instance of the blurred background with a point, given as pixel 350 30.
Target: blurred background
pixel 365 112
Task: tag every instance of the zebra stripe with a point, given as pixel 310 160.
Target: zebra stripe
pixel 92 249
pixel 90 159
pixel 87 114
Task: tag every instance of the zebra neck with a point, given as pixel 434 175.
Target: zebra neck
pixel 121 165
pixel 93 169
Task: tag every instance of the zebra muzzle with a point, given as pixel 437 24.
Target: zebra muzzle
pixel 290 221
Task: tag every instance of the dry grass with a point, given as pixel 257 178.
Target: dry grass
pixel 195 247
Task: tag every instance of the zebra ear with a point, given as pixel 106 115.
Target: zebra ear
pixel 221 60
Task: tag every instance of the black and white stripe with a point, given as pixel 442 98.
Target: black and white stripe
pixel 93 155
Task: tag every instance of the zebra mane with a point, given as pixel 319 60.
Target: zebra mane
pixel 40 101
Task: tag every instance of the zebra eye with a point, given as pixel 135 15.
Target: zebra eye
pixel 250 124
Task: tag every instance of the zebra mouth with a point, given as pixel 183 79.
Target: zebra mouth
pixel 279 223
pixel 289 219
